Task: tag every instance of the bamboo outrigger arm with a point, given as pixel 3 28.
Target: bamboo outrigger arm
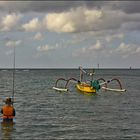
pixel 67 83
pixel 60 88
pixel 112 89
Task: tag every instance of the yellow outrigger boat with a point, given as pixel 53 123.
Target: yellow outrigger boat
pixel 85 86
pixel 90 86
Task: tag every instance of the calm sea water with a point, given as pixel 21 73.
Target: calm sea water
pixel 43 113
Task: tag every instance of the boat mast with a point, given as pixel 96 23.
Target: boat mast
pixel 80 74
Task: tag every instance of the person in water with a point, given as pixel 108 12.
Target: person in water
pixel 8 110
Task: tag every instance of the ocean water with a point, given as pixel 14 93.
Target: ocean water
pixel 43 113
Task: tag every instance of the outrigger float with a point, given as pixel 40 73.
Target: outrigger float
pixel 91 86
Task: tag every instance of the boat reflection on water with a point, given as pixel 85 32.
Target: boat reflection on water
pixel 7 127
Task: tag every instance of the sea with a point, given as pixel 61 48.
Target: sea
pixel 44 113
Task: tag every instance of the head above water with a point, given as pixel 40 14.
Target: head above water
pixel 8 100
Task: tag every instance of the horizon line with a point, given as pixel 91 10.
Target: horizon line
pixel 67 68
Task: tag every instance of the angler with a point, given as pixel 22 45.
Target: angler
pixel 8 110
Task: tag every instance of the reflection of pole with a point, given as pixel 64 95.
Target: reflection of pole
pixel 13 75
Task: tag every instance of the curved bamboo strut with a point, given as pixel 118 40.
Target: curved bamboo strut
pixel 70 79
pixel 59 80
pixel 111 89
pixel 115 79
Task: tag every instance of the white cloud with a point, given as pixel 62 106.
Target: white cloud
pixel 99 50
pixel 44 48
pixel 138 50
pixel 9 21
pixel 58 23
pixel 33 25
pixel 123 48
pixel 127 49
pixel 109 38
pixel 75 20
pixel 83 19
pixel 9 52
pixel 91 50
pixel 13 43
pixel 97 46
pixel 38 36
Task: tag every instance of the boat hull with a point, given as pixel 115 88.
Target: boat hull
pixel 85 88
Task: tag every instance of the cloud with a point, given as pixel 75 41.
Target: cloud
pixel 99 50
pixel 58 23
pixel 138 50
pixel 91 50
pixel 44 48
pixel 33 25
pixel 96 47
pixel 13 43
pixel 38 36
pixel 9 21
pixel 9 52
pixel 109 38
pixel 75 20
pixel 126 6
pixel 37 6
pixel 127 49
pixel 59 6
pixel 82 19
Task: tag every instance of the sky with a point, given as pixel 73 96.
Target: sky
pixel 69 34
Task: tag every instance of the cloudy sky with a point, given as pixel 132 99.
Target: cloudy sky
pixel 69 34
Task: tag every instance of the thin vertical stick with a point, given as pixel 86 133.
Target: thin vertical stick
pixel 13 74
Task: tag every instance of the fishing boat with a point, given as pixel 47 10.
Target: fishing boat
pixel 88 84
